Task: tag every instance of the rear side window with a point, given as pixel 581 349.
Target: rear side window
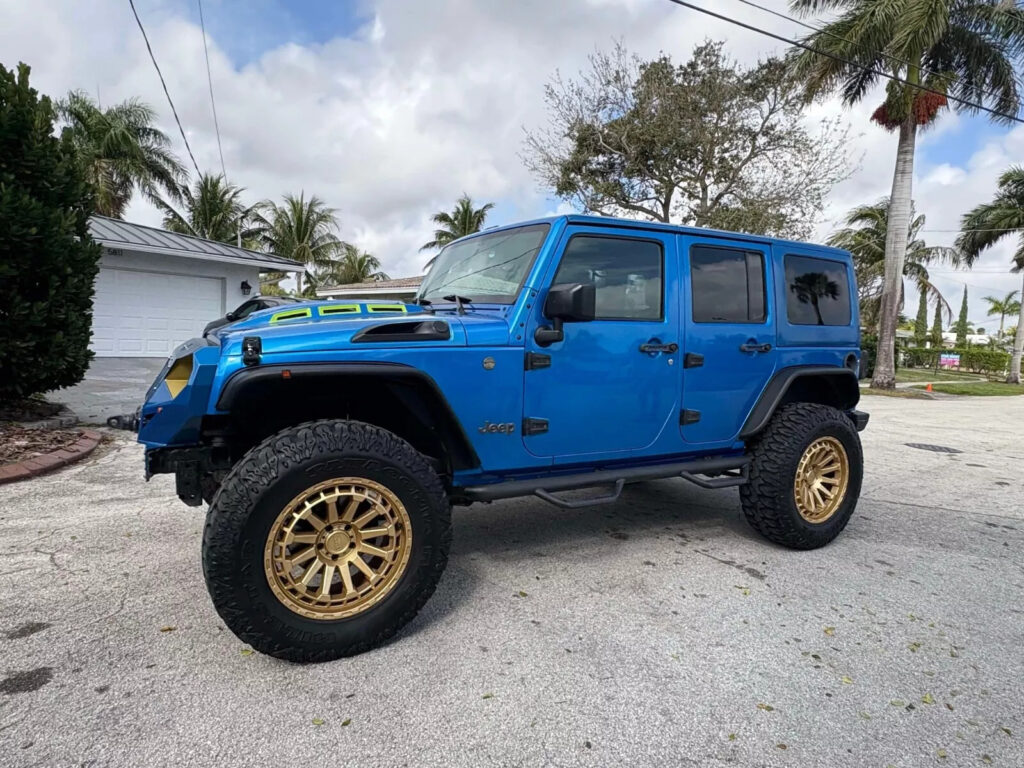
pixel 817 291
pixel 726 285
pixel 626 273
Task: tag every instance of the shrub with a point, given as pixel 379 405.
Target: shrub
pixel 973 359
pixel 48 262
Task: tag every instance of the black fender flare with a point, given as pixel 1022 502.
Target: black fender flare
pixel 450 429
pixel 834 386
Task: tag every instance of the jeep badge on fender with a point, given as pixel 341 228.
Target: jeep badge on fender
pixel 506 429
pixel 332 440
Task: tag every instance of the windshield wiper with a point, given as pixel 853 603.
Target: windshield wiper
pixel 459 301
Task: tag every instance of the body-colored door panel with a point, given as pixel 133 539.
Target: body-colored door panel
pixel 729 340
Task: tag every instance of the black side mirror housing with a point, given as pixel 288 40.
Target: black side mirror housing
pixel 567 303
pixel 230 316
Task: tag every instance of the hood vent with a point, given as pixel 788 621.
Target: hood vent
pixel 413 330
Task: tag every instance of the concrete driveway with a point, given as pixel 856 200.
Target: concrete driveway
pixel 656 631
pixel 112 386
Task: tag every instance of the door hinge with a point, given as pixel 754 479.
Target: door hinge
pixel 536 360
pixel 693 360
pixel 534 426
pixel 686 416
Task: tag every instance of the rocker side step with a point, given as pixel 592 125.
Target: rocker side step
pixel 730 471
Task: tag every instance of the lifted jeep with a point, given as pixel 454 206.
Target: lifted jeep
pixel 331 438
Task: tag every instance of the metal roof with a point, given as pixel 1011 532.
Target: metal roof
pixel 114 233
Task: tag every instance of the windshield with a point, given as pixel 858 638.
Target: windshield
pixel 489 268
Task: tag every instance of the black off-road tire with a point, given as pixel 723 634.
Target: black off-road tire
pixel 768 498
pixel 260 486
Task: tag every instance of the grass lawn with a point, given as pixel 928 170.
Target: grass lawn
pixel 907 394
pixel 983 388
pixel 927 374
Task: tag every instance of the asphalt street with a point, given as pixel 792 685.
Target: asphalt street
pixel 656 631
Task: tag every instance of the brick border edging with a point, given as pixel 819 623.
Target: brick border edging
pixel 37 465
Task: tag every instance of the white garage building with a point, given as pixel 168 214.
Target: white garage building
pixel 156 289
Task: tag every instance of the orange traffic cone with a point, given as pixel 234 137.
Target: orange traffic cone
pixel 929 387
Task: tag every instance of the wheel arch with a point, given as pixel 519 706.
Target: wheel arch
pixel 261 400
pixel 825 385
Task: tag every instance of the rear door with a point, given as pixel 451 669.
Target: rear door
pixel 611 385
pixel 729 334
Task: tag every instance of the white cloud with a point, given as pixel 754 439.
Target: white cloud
pixel 424 102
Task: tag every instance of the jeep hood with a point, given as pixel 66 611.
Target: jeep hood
pixel 330 325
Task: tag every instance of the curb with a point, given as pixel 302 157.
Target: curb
pixel 63 419
pixel 37 465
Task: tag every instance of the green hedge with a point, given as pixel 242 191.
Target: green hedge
pixel 975 360
pixel 48 262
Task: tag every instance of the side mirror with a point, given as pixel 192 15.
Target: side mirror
pixel 230 316
pixel 566 303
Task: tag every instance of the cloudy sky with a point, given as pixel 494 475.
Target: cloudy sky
pixel 389 109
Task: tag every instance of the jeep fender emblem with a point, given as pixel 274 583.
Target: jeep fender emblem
pixel 488 428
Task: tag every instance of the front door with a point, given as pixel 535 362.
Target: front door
pixel 611 386
pixel 729 340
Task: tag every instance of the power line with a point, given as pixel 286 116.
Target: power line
pixel 209 80
pixel 164 84
pixel 834 36
pixel 871 70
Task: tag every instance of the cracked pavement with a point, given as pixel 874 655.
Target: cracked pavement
pixel 656 631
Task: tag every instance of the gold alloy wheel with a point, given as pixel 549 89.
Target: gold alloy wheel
pixel 338 548
pixel 821 479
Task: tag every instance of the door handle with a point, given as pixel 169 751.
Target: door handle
pixel 654 347
pixel 753 346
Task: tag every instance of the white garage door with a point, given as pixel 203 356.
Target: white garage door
pixel 148 314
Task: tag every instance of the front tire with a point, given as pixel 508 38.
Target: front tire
pixel 805 476
pixel 325 540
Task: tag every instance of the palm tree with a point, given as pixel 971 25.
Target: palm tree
pixel 299 229
pixel 463 220
pixel 987 224
pixel 357 266
pixel 213 209
pixel 122 151
pixel 961 48
pixel 864 236
pixel 1008 305
pixel 354 266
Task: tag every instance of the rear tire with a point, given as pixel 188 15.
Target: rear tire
pixel 807 452
pixel 299 502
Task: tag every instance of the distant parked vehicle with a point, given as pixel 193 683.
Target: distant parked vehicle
pixel 247 308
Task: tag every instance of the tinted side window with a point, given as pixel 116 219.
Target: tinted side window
pixel 627 274
pixel 817 291
pixel 726 285
pixel 247 309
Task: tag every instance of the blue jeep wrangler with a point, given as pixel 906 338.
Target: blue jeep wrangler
pixel 331 438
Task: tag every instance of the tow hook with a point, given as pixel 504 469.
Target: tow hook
pixel 126 421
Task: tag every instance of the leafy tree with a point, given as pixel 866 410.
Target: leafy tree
pixel 705 142
pixel 48 261
pixel 962 327
pixel 921 323
pixel 987 224
pixel 963 48
pixel 1008 305
pixel 936 334
pixel 122 151
pixel 299 229
pixel 213 209
pixel 464 219
pixel 864 237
